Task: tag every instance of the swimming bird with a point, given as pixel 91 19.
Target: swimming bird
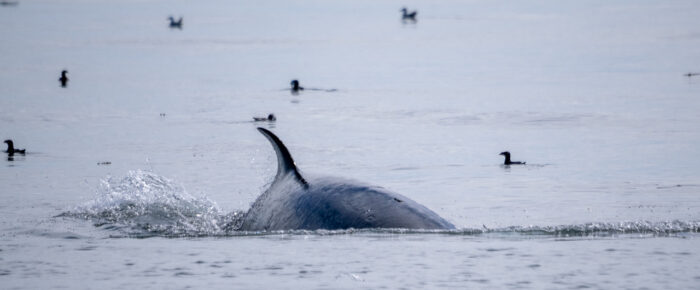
pixel 175 24
pixel 270 117
pixel 295 86
pixel 11 148
pixel 63 79
pixel 408 16
pixel 692 74
pixel 507 161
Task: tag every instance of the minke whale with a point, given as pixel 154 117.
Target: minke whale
pixel 295 203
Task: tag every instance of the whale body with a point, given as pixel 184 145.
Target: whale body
pixel 293 202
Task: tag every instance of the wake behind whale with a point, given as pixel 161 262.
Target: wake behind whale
pixel 143 204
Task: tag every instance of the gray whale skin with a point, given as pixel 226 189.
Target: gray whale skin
pixel 293 203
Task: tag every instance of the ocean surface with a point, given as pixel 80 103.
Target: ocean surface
pixel 133 171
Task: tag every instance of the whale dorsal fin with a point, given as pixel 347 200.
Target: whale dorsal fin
pixel 285 163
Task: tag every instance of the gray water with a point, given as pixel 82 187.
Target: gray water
pixel 592 94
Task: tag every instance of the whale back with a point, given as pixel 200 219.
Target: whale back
pixel 336 203
pixel 292 203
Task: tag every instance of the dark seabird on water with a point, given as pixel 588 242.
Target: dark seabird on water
pixel 11 150
pixel 508 161
pixel 64 78
pixel 295 86
pixel 175 24
pixel 408 15
pixel 270 118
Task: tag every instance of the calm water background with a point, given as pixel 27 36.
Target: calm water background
pixel 590 93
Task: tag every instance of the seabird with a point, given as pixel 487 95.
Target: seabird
pixel 270 117
pixel 408 16
pixel 63 79
pixel 175 24
pixel 507 161
pixel 11 148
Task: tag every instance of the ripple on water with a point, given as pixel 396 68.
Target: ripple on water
pixel 498 249
pixel 55 234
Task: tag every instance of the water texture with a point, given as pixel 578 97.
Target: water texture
pixel 138 173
